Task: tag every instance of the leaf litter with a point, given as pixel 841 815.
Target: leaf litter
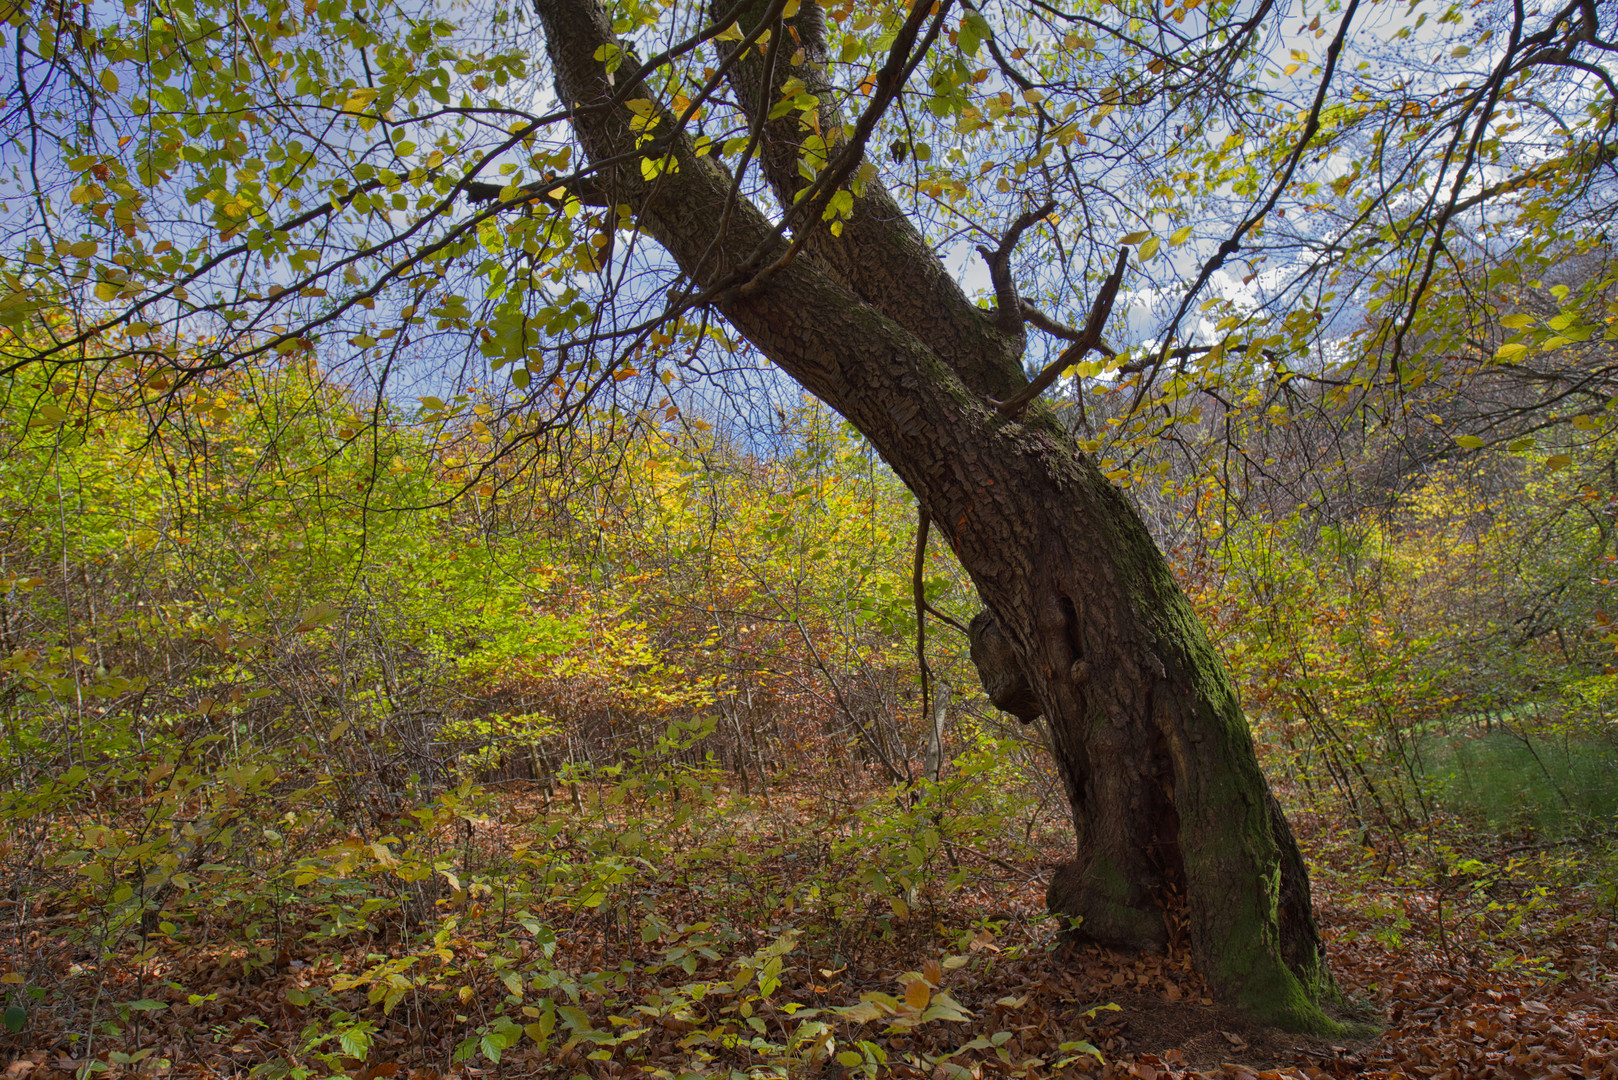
pixel 717 968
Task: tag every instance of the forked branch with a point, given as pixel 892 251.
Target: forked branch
pixel 1008 316
pixel 1090 339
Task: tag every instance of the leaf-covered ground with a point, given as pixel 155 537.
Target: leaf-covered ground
pixel 1500 963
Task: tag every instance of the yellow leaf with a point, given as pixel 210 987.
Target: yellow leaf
pixel 359 99
pixel 1468 442
pixel 109 81
pixel 1148 249
pixel 1180 236
pixel 863 1013
pixel 1135 237
pixel 1290 68
pixel 106 290
pixel 1558 461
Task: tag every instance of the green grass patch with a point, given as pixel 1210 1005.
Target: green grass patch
pixel 1554 785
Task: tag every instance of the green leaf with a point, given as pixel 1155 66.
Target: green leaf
pixel 317 614
pixel 974 32
pixel 356 1042
pixel 14 1019
pixel 1077 1049
pixel 1468 442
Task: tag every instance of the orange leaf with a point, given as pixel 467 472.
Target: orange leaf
pixel 918 993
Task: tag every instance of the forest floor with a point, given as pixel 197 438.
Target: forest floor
pixel 1477 963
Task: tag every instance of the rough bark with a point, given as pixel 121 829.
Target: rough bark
pixel 1168 800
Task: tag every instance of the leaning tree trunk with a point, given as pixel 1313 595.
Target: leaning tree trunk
pixel 1168 801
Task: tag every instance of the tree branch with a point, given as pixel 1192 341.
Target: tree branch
pixel 1058 329
pixel 1071 355
pixel 1008 315
pixel 1233 243
pixel 806 213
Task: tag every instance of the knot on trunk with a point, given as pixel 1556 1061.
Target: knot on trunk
pixel 1001 674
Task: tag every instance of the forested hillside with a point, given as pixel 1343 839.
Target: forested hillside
pixel 597 539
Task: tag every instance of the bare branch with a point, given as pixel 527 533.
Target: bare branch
pixel 1008 316
pixel 1090 339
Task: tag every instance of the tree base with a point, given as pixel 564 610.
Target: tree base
pixel 1268 993
pixel 1102 911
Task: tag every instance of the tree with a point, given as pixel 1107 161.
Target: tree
pixel 299 141
pixel 1159 767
